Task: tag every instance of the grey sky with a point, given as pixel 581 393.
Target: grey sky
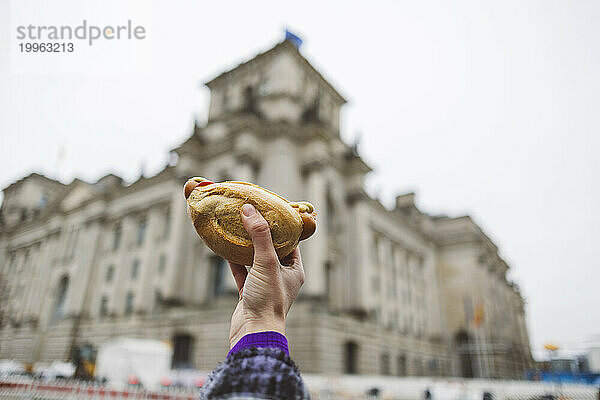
pixel 490 109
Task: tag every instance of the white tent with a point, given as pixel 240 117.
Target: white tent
pixel 8 367
pixel 146 359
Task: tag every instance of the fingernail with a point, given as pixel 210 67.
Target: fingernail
pixel 248 210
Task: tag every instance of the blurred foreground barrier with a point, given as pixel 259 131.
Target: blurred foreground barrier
pixel 39 390
pixel 350 387
pixel 342 387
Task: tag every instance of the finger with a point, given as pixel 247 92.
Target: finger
pixel 258 229
pixel 239 273
pixel 290 259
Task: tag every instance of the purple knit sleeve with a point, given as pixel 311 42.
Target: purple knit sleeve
pixel 261 339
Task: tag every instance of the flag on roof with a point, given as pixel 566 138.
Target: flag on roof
pixel 294 39
pixel 478 315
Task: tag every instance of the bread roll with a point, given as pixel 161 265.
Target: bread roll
pixel 215 209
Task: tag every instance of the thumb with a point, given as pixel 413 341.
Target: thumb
pixel 258 229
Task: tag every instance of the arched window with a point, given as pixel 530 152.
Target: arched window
pixel 61 297
pixel 350 358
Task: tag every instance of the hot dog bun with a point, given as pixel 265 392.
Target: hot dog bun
pixel 215 210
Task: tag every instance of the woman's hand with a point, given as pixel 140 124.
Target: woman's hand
pixel 269 288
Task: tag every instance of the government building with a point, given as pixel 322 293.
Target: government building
pixel 387 291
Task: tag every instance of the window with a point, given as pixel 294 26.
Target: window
pixel 432 367
pixel 401 367
pixel 249 99
pixel 329 213
pixel 350 357
pixel 141 234
pixel 183 345
pixel 162 262
pixel 116 237
pixel 43 201
pixel 61 297
pixel 218 272
pixel 135 269
pixel 226 100
pixel 167 226
pixel 129 303
pixel 157 299
pixel 110 272
pixel 104 306
pixel 418 367
pixel 385 364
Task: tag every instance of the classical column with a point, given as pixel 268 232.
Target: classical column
pixel 314 250
pixel 280 168
pixel 244 170
pixel 247 154
pixel 149 261
pixel 176 248
pixel 360 260
pixel 33 274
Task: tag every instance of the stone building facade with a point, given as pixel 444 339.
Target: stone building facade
pixel 387 291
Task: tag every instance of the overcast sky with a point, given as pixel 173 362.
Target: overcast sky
pixel 483 108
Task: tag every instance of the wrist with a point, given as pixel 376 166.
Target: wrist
pixel 256 326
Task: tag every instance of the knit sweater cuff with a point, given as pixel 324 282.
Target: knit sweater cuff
pixel 270 339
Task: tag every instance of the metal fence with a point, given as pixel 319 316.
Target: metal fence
pixel 57 390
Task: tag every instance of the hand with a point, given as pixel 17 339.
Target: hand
pixel 268 290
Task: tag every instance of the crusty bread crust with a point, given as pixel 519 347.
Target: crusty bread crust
pixel 215 210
